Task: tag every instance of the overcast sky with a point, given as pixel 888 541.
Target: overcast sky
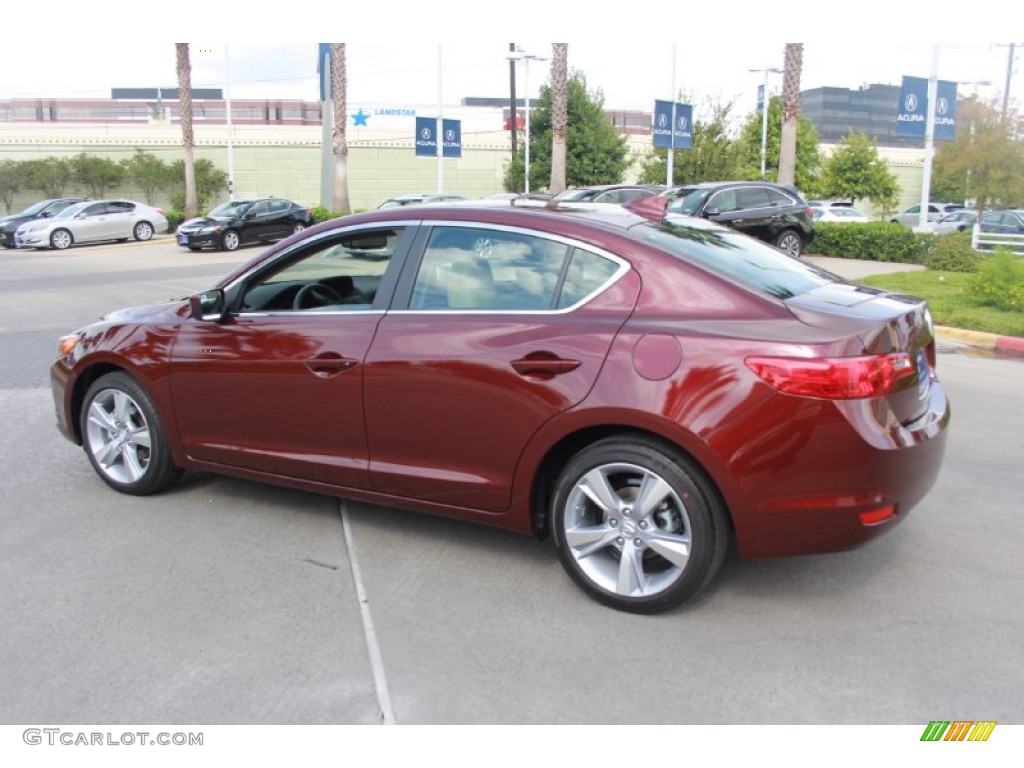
pixel 394 61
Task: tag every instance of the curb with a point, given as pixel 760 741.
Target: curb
pixel 1013 345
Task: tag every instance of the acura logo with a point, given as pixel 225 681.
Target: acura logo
pixel 449 135
pixel 911 102
pixel 662 120
pixel 682 123
pixel 425 134
pixel 943 105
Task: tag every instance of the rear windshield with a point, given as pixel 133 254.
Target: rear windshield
pixel 735 257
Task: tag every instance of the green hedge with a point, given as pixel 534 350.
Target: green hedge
pixel 873 241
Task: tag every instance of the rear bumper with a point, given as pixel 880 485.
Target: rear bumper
pixel 816 466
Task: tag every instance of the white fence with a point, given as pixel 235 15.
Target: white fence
pixel 987 241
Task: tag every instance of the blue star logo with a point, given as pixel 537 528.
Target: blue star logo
pixel 359 118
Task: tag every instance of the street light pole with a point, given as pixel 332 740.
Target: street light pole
pixel 764 117
pixel 231 128
pixel 526 58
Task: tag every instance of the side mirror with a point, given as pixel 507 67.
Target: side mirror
pixel 209 305
pixel 47 214
pixel 707 213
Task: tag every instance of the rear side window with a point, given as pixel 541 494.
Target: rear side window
pixel 751 197
pixel 586 273
pixel 735 257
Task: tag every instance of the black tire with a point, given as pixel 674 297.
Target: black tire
pixel 685 519
pixel 195 248
pixel 118 419
pixel 298 227
pixel 789 241
pixel 122 240
pixel 143 231
pixel 61 239
pixel 229 241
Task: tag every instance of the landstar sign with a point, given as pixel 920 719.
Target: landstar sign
pixel 912 115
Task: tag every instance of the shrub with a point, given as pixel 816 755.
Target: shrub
pixel 320 213
pixel 953 253
pixel 874 241
pixel 999 282
pixel 174 220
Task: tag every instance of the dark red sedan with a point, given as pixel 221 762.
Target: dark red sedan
pixel 639 386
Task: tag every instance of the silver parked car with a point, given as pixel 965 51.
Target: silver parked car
pixel 911 216
pixel 90 222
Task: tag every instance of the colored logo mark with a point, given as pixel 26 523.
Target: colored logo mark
pixel 958 730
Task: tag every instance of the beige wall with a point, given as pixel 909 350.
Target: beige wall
pixel 282 161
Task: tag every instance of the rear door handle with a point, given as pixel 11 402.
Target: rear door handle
pixel 543 365
pixel 330 364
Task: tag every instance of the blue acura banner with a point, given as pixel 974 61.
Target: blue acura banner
pixel 912 112
pixel 682 131
pixel 426 139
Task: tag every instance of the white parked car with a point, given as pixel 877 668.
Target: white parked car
pixel 90 222
pixel 838 214
pixel 911 216
pixel 957 221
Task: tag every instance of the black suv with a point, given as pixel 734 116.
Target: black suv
pixel 44 209
pixel 769 212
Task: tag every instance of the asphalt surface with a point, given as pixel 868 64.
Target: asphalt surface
pixel 225 601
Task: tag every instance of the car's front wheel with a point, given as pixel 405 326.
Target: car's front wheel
pixel 124 438
pixel 143 231
pixel 790 242
pixel 61 239
pixel 230 240
pixel 637 525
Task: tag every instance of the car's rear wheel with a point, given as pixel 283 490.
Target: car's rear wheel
pixel 61 239
pixel 298 227
pixel 195 248
pixel 124 438
pixel 230 241
pixel 143 231
pixel 790 242
pixel 637 524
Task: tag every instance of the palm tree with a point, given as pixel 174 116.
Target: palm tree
pixel 559 114
pixel 187 136
pixel 339 87
pixel 790 111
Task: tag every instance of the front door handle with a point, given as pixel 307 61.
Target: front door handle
pixel 330 364
pixel 543 365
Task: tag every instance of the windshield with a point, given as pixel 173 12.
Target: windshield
pixel 71 211
pixel 735 257
pixel 230 209
pixel 37 208
pixel 576 194
pixel 688 199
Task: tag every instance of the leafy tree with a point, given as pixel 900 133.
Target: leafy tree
pixel 147 172
pixel 855 171
pixel 51 175
pixel 986 161
pixel 97 174
pixel 713 156
pixel 209 181
pixel 596 152
pixel 12 177
pixel 808 158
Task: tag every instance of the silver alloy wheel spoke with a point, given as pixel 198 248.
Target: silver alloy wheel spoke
pixel 107 453
pixel 587 540
pixel 139 437
pixel 653 490
pixel 121 401
pixel 132 463
pixel 101 418
pixel 674 548
pixel 596 487
pixel 631 571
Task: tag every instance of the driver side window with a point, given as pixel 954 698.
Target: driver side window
pixel 340 274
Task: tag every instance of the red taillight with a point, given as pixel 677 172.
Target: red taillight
pixel 876 516
pixel 161 211
pixel 835 378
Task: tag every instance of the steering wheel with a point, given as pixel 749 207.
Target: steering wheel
pixel 321 296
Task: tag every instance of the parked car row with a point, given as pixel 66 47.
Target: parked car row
pixel 62 224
